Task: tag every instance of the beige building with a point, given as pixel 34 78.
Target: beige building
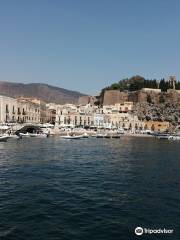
pixel 51 109
pixel 118 108
pixel 8 109
pixel 126 121
pixel 20 110
pixel 156 126
pixel 42 109
pixel 27 111
pixel 74 119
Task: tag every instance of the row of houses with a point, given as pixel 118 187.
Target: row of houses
pixel 23 110
pixel 32 110
pixel 111 116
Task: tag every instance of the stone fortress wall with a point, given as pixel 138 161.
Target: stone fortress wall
pixel 115 96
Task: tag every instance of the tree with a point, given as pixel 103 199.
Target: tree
pixel 163 86
pixel 178 85
pixel 115 86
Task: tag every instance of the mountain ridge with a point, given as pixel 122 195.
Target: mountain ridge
pixel 43 91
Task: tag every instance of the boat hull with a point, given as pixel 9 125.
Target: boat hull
pixel 71 137
pixel 3 138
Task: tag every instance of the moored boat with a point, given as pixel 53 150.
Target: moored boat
pixel 107 136
pixel 24 134
pixel 14 136
pixel 72 137
pixel 100 135
pixel 39 135
pixel 36 135
pixel 4 138
pixel 85 135
pixel 162 136
pixel 115 136
pixel 174 137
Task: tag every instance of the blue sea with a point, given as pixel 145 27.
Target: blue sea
pixel 89 189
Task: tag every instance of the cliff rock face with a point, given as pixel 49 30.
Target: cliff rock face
pixel 159 112
pixel 42 91
pixel 150 105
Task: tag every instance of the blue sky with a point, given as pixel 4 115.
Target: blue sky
pixel 86 45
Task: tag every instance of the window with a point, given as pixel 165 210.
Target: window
pixel 13 111
pixel 7 110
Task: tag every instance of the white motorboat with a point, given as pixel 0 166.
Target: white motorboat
pixel 94 135
pixel 163 136
pixel 85 135
pixel 25 134
pixel 14 136
pixel 101 135
pixel 4 138
pixel 72 137
pixel 174 137
pixel 39 135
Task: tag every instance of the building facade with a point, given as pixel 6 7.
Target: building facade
pixel 8 109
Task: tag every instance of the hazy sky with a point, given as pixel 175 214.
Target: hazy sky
pixel 86 45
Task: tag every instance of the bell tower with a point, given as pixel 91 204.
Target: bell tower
pixel 172 82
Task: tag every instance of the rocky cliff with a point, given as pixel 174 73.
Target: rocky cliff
pixel 150 105
pixel 159 112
